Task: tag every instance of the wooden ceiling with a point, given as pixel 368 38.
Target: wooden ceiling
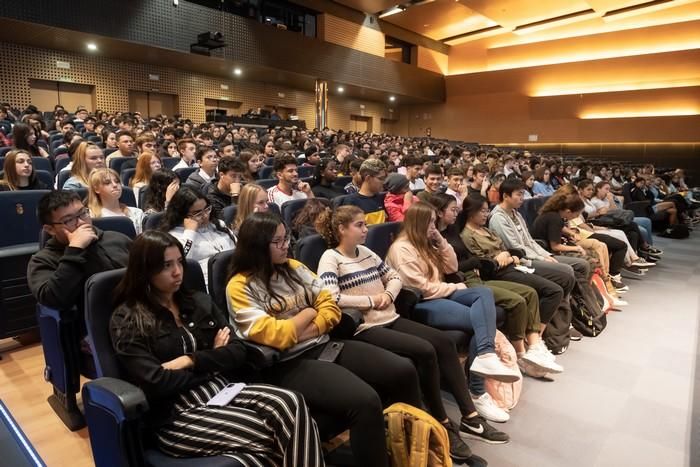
pixel 458 20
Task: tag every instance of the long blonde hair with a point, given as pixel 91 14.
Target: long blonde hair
pixel 79 169
pixel 98 178
pixel 415 229
pixel 246 203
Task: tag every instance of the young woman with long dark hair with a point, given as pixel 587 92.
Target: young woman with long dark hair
pixel 176 345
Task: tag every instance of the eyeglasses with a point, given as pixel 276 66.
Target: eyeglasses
pixel 71 222
pixel 283 242
pixel 206 211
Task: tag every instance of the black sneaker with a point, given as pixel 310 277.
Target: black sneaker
pixel 459 451
pixel 477 428
pixel 575 335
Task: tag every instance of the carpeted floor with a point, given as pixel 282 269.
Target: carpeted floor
pixel 627 397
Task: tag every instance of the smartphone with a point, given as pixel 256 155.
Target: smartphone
pixel 331 351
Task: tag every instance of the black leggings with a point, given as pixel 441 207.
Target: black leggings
pixel 345 390
pixel 617 250
pixel 433 353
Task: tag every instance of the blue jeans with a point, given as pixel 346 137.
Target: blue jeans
pixel 469 310
pixel 644 224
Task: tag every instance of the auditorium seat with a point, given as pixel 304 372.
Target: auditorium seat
pixel 185 172
pixel 152 221
pixel 290 209
pixel 119 224
pixel 4 151
pixel 63 177
pixel 229 214
pixel 45 177
pixel 267 182
pixel 126 176
pixel 265 171
pixel 116 163
pixel 381 236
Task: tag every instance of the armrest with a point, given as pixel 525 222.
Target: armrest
pixel 407 300
pixel 541 243
pixel 350 319
pixel 261 356
pixel 121 399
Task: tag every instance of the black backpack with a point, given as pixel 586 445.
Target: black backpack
pixel 556 334
pixel 587 315
pixel 676 231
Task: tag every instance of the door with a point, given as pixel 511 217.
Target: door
pixel 150 104
pixel 361 123
pixel 46 94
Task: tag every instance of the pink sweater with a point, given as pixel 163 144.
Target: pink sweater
pixel 405 259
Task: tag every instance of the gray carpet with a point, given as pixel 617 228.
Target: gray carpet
pixel 627 397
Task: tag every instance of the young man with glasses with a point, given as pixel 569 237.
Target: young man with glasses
pixel 75 251
pixel 370 197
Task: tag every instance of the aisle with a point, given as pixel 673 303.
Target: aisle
pixel 626 397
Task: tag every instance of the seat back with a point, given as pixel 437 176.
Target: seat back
pixel 40 163
pixel 126 176
pixel 339 200
pixel 381 236
pixel 530 210
pixel 309 250
pixel 291 208
pixel 128 196
pixel 44 177
pixel 340 182
pixel 153 221
pixel 229 214
pixel 63 177
pixel 116 224
pixel 169 162
pixel 99 306
pixel 265 172
pixel 61 163
pixel 305 171
pixel 18 209
pixel 116 163
pixel 185 172
pixel 267 182
pixel 218 268
pixel 4 151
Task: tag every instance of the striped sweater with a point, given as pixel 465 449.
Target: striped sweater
pixel 256 320
pixel 353 281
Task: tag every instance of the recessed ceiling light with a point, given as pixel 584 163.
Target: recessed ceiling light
pixel 392 98
pixel 341 89
pixel 92 46
pixel 237 71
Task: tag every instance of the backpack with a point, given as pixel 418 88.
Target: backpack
pixel 556 334
pixel 415 439
pixel 505 395
pixel 678 231
pixel 587 316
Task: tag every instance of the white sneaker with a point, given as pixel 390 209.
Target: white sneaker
pixel 640 263
pixel 528 369
pixel 542 348
pixel 488 409
pixel 490 366
pixel 619 302
pixel 539 359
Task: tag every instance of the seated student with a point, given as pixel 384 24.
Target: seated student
pixel 19 173
pixel 455 185
pixel 253 199
pixel 323 183
pixel 343 158
pixel 125 146
pixel 161 189
pixel 226 149
pixel 354 185
pixel 520 301
pixel 304 222
pixel 312 156
pixel 88 156
pixel 543 185
pixel 414 167
pixel 479 184
pixel 25 138
pixel 207 160
pixel 399 197
pixel 188 218
pixel 176 345
pixel 76 250
pixel 528 179
pixel 103 198
pixel 433 182
pixel 147 163
pixel 109 138
pixel 357 278
pixel 289 186
pixel 422 257
pixel 493 194
pixel 370 197
pixel 225 189
pixel 278 302
pixel 187 151
pixel 252 161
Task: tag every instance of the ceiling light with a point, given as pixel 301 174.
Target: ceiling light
pixel 474 35
pixel 639 9
pixel 392 98
pixel 237 71
pixel 341 89
pixel 556 21
pixel 92 46
pixel 392 11
pixel 673 112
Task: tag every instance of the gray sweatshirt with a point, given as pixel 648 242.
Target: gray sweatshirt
pixel 514 233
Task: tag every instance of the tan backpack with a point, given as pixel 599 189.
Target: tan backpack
pixel 505 395
pixel 415 439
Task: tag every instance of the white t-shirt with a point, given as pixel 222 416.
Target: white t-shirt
pixel 279 197
pixel 135 214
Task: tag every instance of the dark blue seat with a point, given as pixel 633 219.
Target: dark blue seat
pixel 267 182
pixel 169 162
pixel 184 173
pixel 116 163
pixel 340 182
pixel 152 221
pixel 381 236
pixel 44 177
pixel 305 171
pixel 126 176
pixel 18 210
pixel 339 200
pixel 274 209
pixel 40 163
pixel 229 214
pixel 269 161
pixel 530 210
pixel 116 224
pixel 61 163
pixel 4 151
pixel 109 151
pixel 114 408
pixel 128 196
pixel 309 250
pixel 290 209
pixel 265 171
pixel 63 177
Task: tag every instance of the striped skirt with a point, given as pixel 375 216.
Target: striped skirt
pixel 262 426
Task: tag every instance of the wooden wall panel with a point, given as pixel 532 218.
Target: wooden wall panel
pixel 113 79
pixel 348 34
